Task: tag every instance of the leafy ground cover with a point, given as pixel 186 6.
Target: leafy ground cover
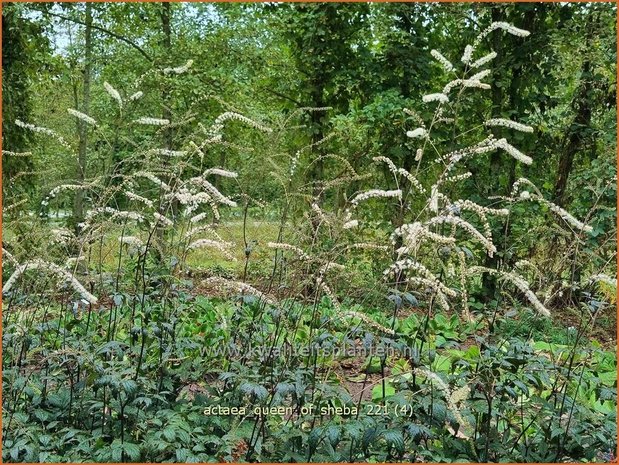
pixel 332 392
pixel 411 260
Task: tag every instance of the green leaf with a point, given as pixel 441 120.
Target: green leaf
pixel 169 433
pixel 117 450
pixel 395 439
pixel 131 450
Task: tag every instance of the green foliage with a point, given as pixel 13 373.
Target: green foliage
pixel 276 330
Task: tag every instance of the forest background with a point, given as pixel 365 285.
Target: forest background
pixel 327 92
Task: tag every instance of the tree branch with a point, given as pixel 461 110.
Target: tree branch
pixel 104 30
pixel 274 92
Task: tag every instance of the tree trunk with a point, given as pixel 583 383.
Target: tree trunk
pixel 82 127
pixel 167 45
pixel 574 139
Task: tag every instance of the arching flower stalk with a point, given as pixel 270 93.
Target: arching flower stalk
pixel 54 269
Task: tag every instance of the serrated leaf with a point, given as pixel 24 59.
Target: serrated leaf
pixel 395 439
pixel 169 433
pixel 131 450
pixel 183 436
pixel 333 434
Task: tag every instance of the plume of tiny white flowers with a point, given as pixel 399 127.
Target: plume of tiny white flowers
pixel 522 264
pixel 434 285
pixel 509 28
pixel 321 214
pixel 179 69
pixel 82 116
pixel 417 133
pixel 367 246
pixel 220 172
pixel 6 254
pixel 197 149
pixel 16 154
pixel 464 297
pixel 138 95
pixel 513 151
pixel 115 214
pixel 61 235
pixel 328 292
pixel 191 200
pixel 168 153
pixel 487 243
pixel 409 264
pixel 565 215
pixel 202 229
pixel 350 224
pixel 418 119
pixel 213 191
pixel 387 161
pixel 452 398
pixel 474 83
pixel 433 201
pixel 229 115
pixel 561 212
pixel 282 246
pixel 481 212
pixel 451 84
pixel 509 124
pixel 331 266
pixel 367 320
pixel 152 121
pixel 138 198
pixel 215 210
pixel 240 287
pixel 375 193
pixel 438 97
pixel 151 177
pixel 479 76
pixel 395 170
pixel 479 209
pixel 128 215
pixel 223 247
pixel 523 181
pixel 293 163
pixel 518 281
pixel 457 177
pixel 7 208
pixel 63 187
pixel 467 55
pixel 484 60
pixel 413 233
pixel 162 219
pixel 113 93
pixel 42 265
pixel 466 83
pixel 133 241
pixel 442 60
pixel 41 130
pixel 197 218
pixel 412 179
pixel 486 145
pixel 440 118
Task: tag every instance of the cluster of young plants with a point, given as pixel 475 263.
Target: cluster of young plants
pixel 117 349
